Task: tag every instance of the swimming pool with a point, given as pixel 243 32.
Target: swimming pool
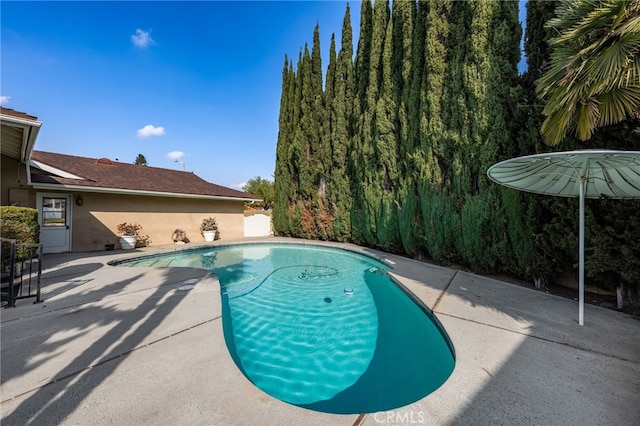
pixel 322 328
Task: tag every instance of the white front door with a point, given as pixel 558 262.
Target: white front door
pixel 54 215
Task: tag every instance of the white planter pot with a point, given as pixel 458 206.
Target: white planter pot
pixel 128 242
pixel 26 267
pixel 209 235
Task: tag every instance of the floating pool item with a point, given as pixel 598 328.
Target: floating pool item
pixel 348 291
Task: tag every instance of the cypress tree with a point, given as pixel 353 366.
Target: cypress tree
pixel 455 120
pixel 320 154
pixel 342 132
pixel 430 89
pixel 370 176
pixel 444 29
pixel 283 174
pixel 326 190
pixel 537 51
pixel 491 61
pixel 302 221
pixel 403 65
pixel 410 162
pixel 512 236
pixel 415 99
pixel 463 121
pixel 385 150
pixel 357 158
pixel 403 17
pixel 308 129
pixel 477 229
pixel 363 54
pixel 474 64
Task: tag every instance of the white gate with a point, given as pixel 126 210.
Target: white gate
pixel 257 225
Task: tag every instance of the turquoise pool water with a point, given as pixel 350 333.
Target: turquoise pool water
pixel 322 328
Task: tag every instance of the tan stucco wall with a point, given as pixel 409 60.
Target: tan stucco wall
pixel 94 222
pixel 13 178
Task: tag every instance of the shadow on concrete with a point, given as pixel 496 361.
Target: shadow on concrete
pixel 124 331
pixel 55 283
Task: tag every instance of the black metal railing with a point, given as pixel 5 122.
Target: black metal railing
pixel 22 277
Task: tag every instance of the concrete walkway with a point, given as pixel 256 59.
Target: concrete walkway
pixel 125 346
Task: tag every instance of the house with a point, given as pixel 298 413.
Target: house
pixel 82 200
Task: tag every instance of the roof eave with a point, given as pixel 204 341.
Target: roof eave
pixel 122 191
pixel 31 130
pixel 29 144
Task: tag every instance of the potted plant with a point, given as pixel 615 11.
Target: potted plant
pixel 129 233
pixel 208 228
pixel 179 236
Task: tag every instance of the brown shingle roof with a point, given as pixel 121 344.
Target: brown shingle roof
pixel 14 113
pixel 111 175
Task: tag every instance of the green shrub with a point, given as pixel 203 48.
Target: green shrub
pixel 20 224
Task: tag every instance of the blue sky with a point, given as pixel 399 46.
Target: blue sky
pixel 198 81
pixel 116 79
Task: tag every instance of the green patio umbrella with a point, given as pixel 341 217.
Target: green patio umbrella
pixel 582 174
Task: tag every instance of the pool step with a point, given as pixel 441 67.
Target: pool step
pixel 161 263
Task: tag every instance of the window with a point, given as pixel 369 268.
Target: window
pixel 54 211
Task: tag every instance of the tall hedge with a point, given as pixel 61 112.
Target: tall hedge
pixel 392 151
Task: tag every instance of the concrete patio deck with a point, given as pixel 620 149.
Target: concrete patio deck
pixel 116 345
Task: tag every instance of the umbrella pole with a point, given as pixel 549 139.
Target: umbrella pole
pixel 581 257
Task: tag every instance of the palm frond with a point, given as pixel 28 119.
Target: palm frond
pixel 611 61
pixel 632 25
pixel 618 104
pixel 587 117
pixel 594 76
pixel 556 124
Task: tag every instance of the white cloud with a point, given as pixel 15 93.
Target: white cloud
pixel 150 130
pixel 141 38
pixel 175 155
pixel 4 100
